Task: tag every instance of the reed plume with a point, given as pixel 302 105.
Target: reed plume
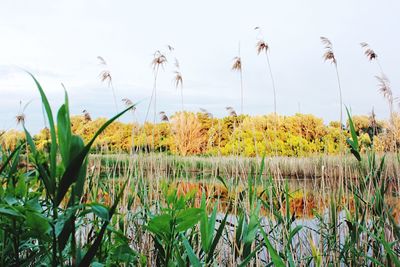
pixel 20 117
pixel 206 113
pixel 371 55
pixel 128 103
pixel 163 116
pixel 368 51
pixel 86 115
pixel 231 111
pixel 105 76
pixel 329 55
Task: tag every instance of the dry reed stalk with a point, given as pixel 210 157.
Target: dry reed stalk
pixel 330 56
pixel 159 60
pixel 237 66
pixel 262 46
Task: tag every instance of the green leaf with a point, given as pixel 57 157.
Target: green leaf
pixel 76 146
pixel 123 253
pixel 355 150
pixel 251 255
pixel 10 212
pixel 217 237
pixel 194 260
pixel 187 218
pixel 276 259
pixel 20 189
pixel 64 132
pixel 100 210
pixel 294 232
pixel 160 224
pixel 49 113
pixel 38 224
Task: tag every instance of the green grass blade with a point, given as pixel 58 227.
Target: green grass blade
pixel 276 259
pixel 217 238
pixel 194 260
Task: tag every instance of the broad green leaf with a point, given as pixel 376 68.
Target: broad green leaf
pixel 100 210
pixel 38 224
pixel 10 212
pixel 188 218
pixel 71 173
pixel 160 224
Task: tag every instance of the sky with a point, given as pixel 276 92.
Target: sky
pixel 59 42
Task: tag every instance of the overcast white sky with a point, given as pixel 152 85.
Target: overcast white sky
pixel 58 41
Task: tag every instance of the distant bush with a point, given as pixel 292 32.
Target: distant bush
pixel 189 133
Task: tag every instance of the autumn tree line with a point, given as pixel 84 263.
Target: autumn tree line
pixel 189 133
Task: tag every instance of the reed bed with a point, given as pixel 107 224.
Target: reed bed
pixel 175 167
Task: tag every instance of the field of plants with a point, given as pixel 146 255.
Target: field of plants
pixel 60 205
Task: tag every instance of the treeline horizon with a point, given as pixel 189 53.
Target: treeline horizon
pixel 189 133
